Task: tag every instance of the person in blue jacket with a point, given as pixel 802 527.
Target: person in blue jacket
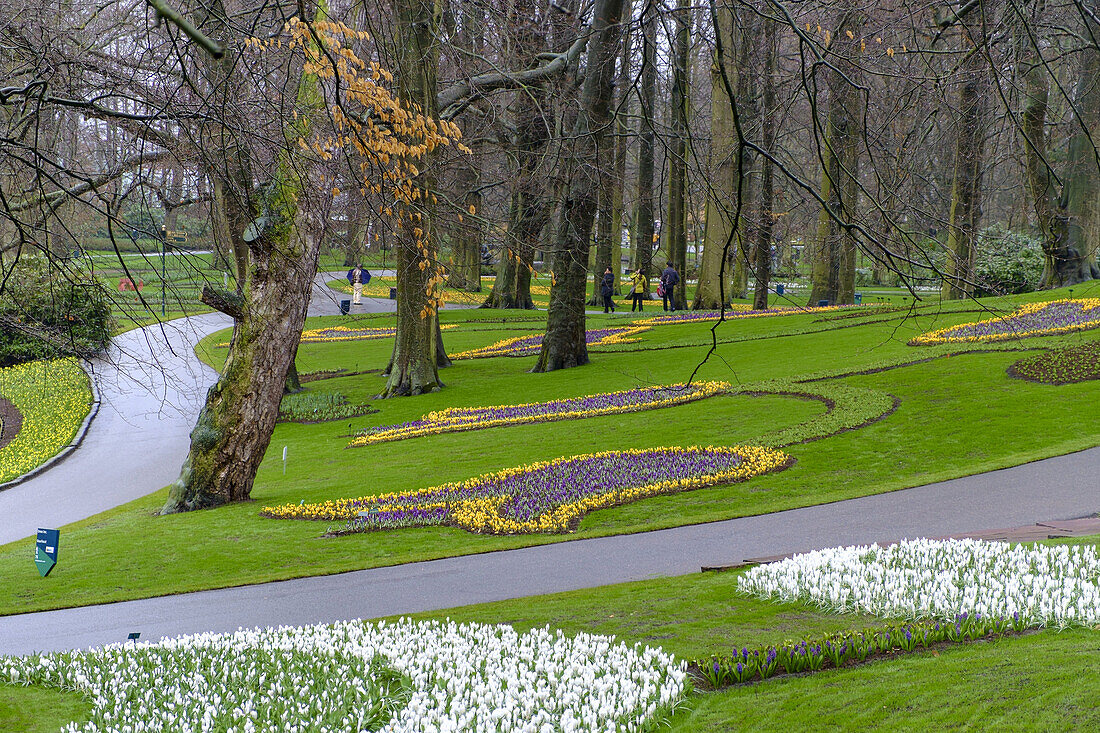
pixel 358 277
pixel 669 279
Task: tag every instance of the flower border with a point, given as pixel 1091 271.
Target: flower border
pixel 933 338
pixel 480 515
pixel 449 420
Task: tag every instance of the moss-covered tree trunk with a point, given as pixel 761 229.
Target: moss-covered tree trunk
pixel 966 190
pixel 769 127
pixel 531 204
pixel 722 188
pixel 835 259
pixel 1067 260
pixel 275 269
pixel 674 226
pixel 643 227
pixel 1082 180
pixel 417 353
pixel 563 345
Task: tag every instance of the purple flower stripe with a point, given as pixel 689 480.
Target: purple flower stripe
pixel 1059 314
pixel 531 345
pixel 463 415
pixel 533 493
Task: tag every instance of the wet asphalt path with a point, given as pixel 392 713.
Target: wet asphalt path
pixel 153 416
pixel 1065 487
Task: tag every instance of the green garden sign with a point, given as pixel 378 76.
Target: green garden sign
pixel 45 550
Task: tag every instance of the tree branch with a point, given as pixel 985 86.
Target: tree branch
pixel 91 184
pixel 452 100
pixel 224 301
pixel 171 15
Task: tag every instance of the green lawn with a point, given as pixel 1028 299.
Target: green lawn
pixel 944 427
pixel 39 710
pixel 1041 681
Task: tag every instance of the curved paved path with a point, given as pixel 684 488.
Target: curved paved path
pixel 1059 488
pixel 151 388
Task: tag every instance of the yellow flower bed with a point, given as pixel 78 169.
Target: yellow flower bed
pixel 54 398
pixel 459 419
pixel 552 489
pixel 1049 318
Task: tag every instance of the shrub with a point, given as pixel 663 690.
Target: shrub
pixel 49 315
pixel 1006 262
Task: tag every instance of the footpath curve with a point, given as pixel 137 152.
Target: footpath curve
pixel 1060 488
pixel 151 386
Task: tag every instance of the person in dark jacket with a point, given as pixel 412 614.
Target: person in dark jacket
pixel 358 277
pixel 607 289
pixel 669 280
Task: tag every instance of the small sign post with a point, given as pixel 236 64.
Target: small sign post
pixel 45 550
pixel 284 460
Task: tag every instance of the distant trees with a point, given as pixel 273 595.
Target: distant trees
pixel 866 141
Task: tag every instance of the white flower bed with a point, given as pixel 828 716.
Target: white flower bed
pixel 467 677
pixel 1055 585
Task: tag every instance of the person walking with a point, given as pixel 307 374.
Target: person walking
pixel 358 277
pixel 638 282
pixel 607 288
pixel 669 280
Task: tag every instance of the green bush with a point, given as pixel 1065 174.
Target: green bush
pixel 1006 262
pixel 47 315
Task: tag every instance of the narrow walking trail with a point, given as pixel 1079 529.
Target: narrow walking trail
pixel 153 422
pixel 151 386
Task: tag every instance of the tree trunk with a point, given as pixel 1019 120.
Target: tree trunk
pixel 1065 263
pixel 1082 179
pixel 674 225
pixel 966 191
pixel 834 264
pixel 531 204
pixel 643 227
pixel 563 345
pixel 466 270
pixel 769 123
pixel 722 188
pixel 413 368
pixel 608 252
pixel 618 176
pixel 740 256
pixel 274 281
pixel 601 262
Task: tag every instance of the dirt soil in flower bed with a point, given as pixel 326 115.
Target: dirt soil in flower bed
pixel 11 422
pixel 701 681
pixel 1057 367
